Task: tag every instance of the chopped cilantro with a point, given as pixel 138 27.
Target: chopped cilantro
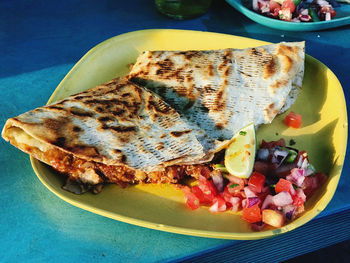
pixel 233 185
pixel 242 133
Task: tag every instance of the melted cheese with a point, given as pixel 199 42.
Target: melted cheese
pixel 21 137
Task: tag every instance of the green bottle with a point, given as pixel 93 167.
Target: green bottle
pixel 183 9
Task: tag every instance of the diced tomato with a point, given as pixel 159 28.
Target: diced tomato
pixel 219 205
pixel 234 189
pixel 276 12
pixel 233 201
pixel 191 200
pixel 256 182
pixel 226 194
pixel 293 120
pixel 252 214
pixel 274 8
pixel 199 194
pixel 273 5
pixel 281 142
pixel 205 171
pixel 236 180
pixel 299 198
pixel 288 4
pixel 208 189
pixel 283 185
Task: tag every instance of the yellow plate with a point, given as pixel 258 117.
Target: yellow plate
pixel 161 207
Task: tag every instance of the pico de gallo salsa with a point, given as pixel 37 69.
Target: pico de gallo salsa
pixel 296 10
pixel 275 193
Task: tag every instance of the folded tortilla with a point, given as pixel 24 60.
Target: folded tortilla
pixel 115 132
pixel 193 103
pixel 225 90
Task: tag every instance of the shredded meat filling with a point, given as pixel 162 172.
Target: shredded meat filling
pixel 76 168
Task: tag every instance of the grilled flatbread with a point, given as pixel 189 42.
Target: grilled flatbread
pixel 225 90
pixel 116 132
pixel 193 103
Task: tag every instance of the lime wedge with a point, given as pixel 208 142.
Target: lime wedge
pixel 240 153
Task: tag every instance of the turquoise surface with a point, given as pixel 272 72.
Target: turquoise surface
pixel 40 41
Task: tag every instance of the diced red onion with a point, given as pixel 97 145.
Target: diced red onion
pixel 305 164
pixel 267 202
pixel 255 5
pixel 279 156
pixel 308 172
pixel 235 202
pixel 244 202
pixel 252 201
pixel 264 6
pixel 248 192
pixel 328 16
pixel 218 181
pixel 215 207
pixel 305 18
pixel 302 162
pixel 282 199
pixel 304 12
pixel 292 190
pixel 297 176
pixel 289 211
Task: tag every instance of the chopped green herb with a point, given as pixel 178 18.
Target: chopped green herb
pixel 242 133
pixel 233 185
pixel 313 15
pixel 296 2
pixel 292 155
pixel 273 185
pixel 295 187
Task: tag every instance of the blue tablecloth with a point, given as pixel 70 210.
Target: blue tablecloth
pixel 40 41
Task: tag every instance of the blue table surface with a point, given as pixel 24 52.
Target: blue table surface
pixel 40 41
